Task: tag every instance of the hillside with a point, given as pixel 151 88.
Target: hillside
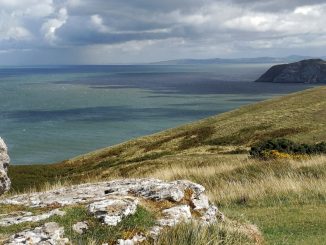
pixel 299 116
pixel 285 198
pixel 305 71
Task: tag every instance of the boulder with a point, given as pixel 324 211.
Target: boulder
pixel 80 227
pixel 111 211
pixel 48 234
pixel 4 164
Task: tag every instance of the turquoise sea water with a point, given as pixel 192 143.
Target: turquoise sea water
pixel 48 114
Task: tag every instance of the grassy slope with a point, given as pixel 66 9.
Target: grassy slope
pixel 300 116
pixel 277 195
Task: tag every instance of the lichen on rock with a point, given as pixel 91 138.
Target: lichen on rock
pixel 48 234
pixel 111 202
pixel 4 164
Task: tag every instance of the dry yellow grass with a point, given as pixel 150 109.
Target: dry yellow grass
pixel 227 233
pixel 230 179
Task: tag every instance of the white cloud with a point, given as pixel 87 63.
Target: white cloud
pixel 30 8
pixel 50 27
pixel 310 10
pixel 97 23
pixel 12 29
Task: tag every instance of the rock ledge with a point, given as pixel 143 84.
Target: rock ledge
pixel 4 164
pixel 110 202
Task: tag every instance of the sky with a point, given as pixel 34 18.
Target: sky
pixel 137 31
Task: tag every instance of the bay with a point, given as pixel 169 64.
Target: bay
pixel 48 114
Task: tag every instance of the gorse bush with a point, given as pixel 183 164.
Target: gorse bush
pixel 285 146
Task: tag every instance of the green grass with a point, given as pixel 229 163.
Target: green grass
pixel 286 224
pixel 214 234
pixel 141 221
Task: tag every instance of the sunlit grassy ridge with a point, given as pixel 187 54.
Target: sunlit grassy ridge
pixel 213 152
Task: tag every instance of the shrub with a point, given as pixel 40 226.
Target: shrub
pixel 284 148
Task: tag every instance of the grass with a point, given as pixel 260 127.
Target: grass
pixel 228 233
pixel 286 224
pixel 293 192
pixel 141 221
pixel 212 152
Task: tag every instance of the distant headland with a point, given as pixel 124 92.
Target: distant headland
pixel 310 71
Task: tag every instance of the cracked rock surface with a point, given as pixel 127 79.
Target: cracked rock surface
pixel 112 210
pixel 48 234
pixel 14 219
pixel 110 202
pixel 4 164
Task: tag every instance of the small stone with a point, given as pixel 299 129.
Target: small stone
pixel 49 233
pixel 175 215
pixel 80 227
pixel 111 211
pixel 135 240
pixel 155 231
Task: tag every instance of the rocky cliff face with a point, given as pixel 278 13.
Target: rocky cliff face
pixel 305 71
pixel 4 164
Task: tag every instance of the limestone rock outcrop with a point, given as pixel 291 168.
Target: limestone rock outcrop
pixel 110 202
pixel 48 234
pixel 4 164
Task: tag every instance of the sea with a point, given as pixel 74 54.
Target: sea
pixel 52 113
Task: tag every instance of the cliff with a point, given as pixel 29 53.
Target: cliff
pixel 305 71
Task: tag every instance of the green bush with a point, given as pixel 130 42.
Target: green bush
pixel 287 146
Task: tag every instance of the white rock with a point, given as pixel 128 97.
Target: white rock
pixel 146 188
pixel 49 233
pixel 111 211
pixel 135 240
pixel 155 231
pixel 80 227
pixel 211 215
pixel 186 184
pixel 112 201
pixel 4 164
pixel 175 215
pixel 200 202
pixel 28 217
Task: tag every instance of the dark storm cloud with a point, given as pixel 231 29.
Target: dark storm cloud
pixel 276 5
pixel 127 30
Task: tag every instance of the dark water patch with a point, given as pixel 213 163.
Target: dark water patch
pixel 185 83
pixel 191 104
pixel 104 113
